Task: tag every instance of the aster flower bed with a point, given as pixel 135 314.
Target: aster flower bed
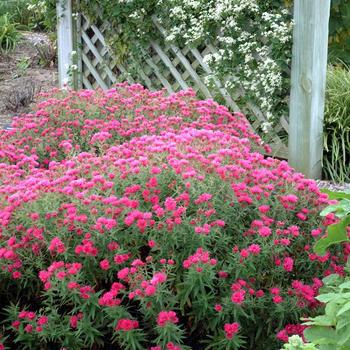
pixel 132 220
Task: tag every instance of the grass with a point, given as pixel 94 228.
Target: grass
pixel 9 35
pixel 336 158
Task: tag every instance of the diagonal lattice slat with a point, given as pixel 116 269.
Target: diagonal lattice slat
pixel 164 66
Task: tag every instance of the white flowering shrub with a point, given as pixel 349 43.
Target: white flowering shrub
pixel 252 40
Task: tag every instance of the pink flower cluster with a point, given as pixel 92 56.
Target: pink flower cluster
pixel 231 329
pixel 31 322
pixel 126 325
pixel 165 317
pixel 199 259
pixel 290 329
pixel 169 346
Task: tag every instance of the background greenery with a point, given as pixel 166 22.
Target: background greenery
pixel 336 156
pixel 37 15
pixel 339 32
pixel 9 35
pixel 339 38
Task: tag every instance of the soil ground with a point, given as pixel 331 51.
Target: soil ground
pixel 23 74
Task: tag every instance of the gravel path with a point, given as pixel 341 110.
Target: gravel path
pixel 333 186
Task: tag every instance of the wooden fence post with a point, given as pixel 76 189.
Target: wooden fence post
pixel 308 81
pixel 64 40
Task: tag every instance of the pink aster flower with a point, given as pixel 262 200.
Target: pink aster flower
pixel 126 325
pixel 231 329
pixel 165 317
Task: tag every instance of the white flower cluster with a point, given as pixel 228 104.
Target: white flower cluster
pixel 252 44
pixel 247 42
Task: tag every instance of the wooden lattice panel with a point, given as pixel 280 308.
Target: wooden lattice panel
pixel 166 66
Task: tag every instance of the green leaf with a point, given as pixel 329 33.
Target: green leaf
pixel 329 209
pixel 326 347
pixel 342 322
pixel 323 320
pixel 335 297
pixel 321 335
pixel 336 195
pixel 341 209
pixel 336 234
pixel 331 279
pixel 344 336
pixel 331 310
pixel 345 308
pixel 345 285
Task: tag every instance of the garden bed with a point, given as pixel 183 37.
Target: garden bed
pixel 145 220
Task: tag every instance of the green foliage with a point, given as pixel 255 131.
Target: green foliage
pixel 42 15
pixel 336 157
pixel 331 330
pixel 31 14
pixel 337 232
pixel 9 35
pixel 339 32
pixel 18 10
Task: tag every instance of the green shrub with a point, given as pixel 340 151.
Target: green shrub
pixel 31 14
pixel 339 32
pixel 336 158
pixel 42 15
pixel 9 35
pixel 17 10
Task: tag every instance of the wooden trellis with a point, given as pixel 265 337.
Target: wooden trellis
pixel 165 66
pixel 175 68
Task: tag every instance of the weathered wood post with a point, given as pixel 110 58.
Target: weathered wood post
pixel 308 81
pixel 64 40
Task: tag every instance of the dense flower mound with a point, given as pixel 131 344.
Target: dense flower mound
pixel 170 232
pixel 65 125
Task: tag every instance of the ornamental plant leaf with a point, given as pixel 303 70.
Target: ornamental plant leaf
pixel 343 322
pixel 336 233
pixel 321 335
pixel 335 297
pixel 345 285
pixel 331 310
pixel 336 195
pixel 329 209
pixel 326 347
pixel 344 337
pixel 331 279
pixel 323 320
pixel 340 209
pixel 344 308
